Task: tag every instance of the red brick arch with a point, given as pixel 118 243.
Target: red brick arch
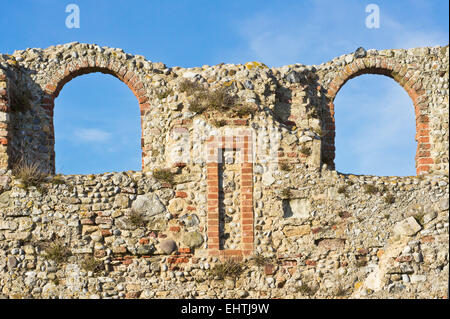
pixel 408 77
pixel 85 66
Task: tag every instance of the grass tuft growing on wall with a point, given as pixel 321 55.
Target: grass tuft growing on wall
pixel 136 219
pixel 305 289
pixel 29 173
pixel 389 199
pixel 164 175
pixel 286 193
pixel 91 264
pixel 285 167
pixel 190 87
pixel 164 94
pixel 370 189
pixel 305 151
pixel 57 252
pixel 229 268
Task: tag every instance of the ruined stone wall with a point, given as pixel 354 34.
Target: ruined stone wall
pixel 254 182
pixel 296 100
pixel 330 236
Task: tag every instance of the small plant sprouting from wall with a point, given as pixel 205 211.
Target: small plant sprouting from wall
pixel 286 193
pixel 341 291
pixel 389 199
pixel 229 268
pixel 91 264
pixel 29 173
pixel 219 123
pixel 383 190
pixel 196 105
pixel 305 151
pixel 370 189
pixel 136 219
pixel 58 180
pixel 285 167
pixel 342 190
pixel 57 252
pixel 261 261
pixel 218 99
pixel 164 94
pixel 190 87
pixel 305 289
pixel 164 175
pixel 244 110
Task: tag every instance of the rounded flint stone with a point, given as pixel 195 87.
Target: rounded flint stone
pixel 168 246
pixel 360 53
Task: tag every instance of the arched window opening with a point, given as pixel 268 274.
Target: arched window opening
pixel 97 126
pixel 375 128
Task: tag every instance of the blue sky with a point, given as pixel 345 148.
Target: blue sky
pixel 374 115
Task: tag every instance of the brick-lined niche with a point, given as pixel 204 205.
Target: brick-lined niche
pixel 230 161
pixel 4 120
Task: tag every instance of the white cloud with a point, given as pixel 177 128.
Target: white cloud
pixel 91 135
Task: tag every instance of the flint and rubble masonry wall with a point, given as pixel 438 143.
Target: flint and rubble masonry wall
pixel 319 242
pixel 275 203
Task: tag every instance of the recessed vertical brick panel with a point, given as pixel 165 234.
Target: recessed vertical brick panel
pixel 243 143
pixel 4 126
